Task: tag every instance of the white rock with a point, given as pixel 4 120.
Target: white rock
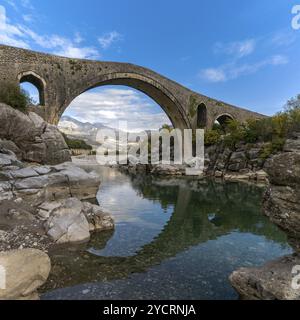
pixel 23 173
pixel 25 271
pixel 67 223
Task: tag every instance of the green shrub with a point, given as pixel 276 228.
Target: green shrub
pixel 292 109
pixel 212 137
pixel 235 133
pixel 76 143
pixel 166 127
pixel 272 147
pixel 273 131
pixel 280 124
pixel 12 95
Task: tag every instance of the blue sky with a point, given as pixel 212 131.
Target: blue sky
pixel 243 52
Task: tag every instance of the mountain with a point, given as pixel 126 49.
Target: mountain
pixel 86 131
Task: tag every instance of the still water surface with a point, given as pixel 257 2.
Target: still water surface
pixel 175 238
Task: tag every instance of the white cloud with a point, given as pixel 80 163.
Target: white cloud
pixel 108 39
pixel 12 4
pixel 27 4
pixel 109 106
pixel 237 49
pixel 62 46
pixel 278 60
pixel 234 70
pixel 10 34
pixel 78 38
pixel 28 17
pixel 80 53
pixel 214 74
pixel 284 39
pixel 23 37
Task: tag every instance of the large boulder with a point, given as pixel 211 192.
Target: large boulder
pixel 282 206
pixel 67 223
pixel 22 272
pixel 273 281
pixel 284 169
pixel 29 136
pixel 72 220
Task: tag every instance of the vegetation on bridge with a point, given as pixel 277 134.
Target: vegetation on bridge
pixel 272 131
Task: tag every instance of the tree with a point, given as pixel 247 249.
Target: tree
pixel 12 95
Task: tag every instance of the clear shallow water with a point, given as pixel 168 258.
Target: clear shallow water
pixel 175 238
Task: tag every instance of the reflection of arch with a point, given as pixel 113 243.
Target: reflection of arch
pixel 156 91
pixel 223 119
pixel 37 81
pixel 201 116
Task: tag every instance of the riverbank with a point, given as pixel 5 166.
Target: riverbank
pixel 42 207
pixel 274 281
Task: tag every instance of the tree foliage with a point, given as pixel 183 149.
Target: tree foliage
pixel 12 95
pixel 76 143
pixel 273 131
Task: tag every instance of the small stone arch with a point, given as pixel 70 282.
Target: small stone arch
pixel 37 81
pixel 223 119
pixel 201 116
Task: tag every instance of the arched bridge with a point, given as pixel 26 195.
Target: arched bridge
pixel 60 80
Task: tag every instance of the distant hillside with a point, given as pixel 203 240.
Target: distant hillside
pixel 86 131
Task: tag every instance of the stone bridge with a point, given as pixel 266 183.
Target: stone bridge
pixel 60 80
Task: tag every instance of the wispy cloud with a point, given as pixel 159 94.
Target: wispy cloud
pixel 283 38
pixel 12 4
pixel 27 4
pixel 10 34
pixel 237 49
pixel 237 53
pixel 213 74
pixel 235 70
pixel 28 17
pixel 107 39
pixel 22 36
pixel 109 106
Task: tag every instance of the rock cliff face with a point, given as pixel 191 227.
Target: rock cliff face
pixel 31 138
pixel 244 162
pixel 282 199
pixel 282 205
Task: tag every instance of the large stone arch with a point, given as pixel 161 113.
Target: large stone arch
pixel 61 79
pixel 153 89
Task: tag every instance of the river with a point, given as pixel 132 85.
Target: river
pixel 175 238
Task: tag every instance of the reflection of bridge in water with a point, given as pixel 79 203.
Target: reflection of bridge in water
pixel 204 211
